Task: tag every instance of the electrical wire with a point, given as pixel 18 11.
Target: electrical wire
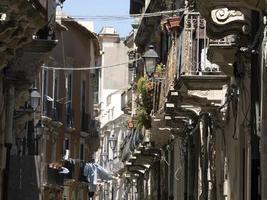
pixel 119 17
pixel 85 68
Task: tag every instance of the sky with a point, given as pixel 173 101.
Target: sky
pixel 101 8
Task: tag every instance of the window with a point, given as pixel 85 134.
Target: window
pixel 83 96
pixel 109 113
pixel 69 101
pixel 54 151
pixel 81 152
pixel 69 87
pixel 45 89
pixel 96 86
pixel 45 82
pixel 55 90
pixel 65 146
pixel 108 100
pixel 112 113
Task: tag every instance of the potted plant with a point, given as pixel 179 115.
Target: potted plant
pixel 160 69
pixel 173 22
pixel 143 119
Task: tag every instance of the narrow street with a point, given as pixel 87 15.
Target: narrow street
pixel 133 100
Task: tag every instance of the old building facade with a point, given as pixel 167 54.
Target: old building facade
pixel 199 125
pixel 113 80
pixel 70 128
pixel 51 125
pixel 27 36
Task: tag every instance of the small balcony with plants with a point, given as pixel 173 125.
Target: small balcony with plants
pixel 135 150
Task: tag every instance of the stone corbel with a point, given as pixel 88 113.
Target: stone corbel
pixel 223 16
pixel 234 19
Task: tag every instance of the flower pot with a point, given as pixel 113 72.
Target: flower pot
pixel 173 22
pixel 150 86
pixel 130 124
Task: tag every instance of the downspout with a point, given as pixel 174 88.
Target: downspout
pixel 8 135
pixel 255 104
pixel 263 139
pixel 204 158
pixel 159 181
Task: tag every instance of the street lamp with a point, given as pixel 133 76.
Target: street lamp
pixel 39 133
pixel 35 98
pixel 150 59
pixel 112 142
pixel 104 155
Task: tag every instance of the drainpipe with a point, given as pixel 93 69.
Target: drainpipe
pixel 263 121
pixel 8 135
pixel 204 158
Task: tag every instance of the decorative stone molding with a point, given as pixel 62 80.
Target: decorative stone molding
pixel 225 17
pixel 21 22
pixel 26 63
pixel 222 16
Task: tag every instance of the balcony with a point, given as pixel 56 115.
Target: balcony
pixel 55 113
pixel 90 126
pixel 54 177
pixel 126 101
pixel 142 159
pixel 222 52
pixel 28 60
pixel 199 82
pixel 136 6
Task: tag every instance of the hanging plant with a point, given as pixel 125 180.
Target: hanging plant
pixel 141 86
pixel 143 118
pixel 145 92
pixel 160 69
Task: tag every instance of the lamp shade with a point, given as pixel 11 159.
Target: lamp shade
pixel 104 155
pixel 35 98
pixel 112 142
pixel 150 59
pixel 40 128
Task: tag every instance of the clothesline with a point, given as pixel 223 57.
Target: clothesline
pixel 87 68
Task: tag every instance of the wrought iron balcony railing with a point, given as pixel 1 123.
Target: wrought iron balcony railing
pixel 56 112
pixel 54 177
pixel 89 125
pixel 227 41
pixel 126 101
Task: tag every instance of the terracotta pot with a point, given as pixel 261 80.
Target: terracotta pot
pixel 130 124
pixel 173 22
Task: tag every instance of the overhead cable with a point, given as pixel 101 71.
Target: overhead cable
pixel 120 17
pixel 85 68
